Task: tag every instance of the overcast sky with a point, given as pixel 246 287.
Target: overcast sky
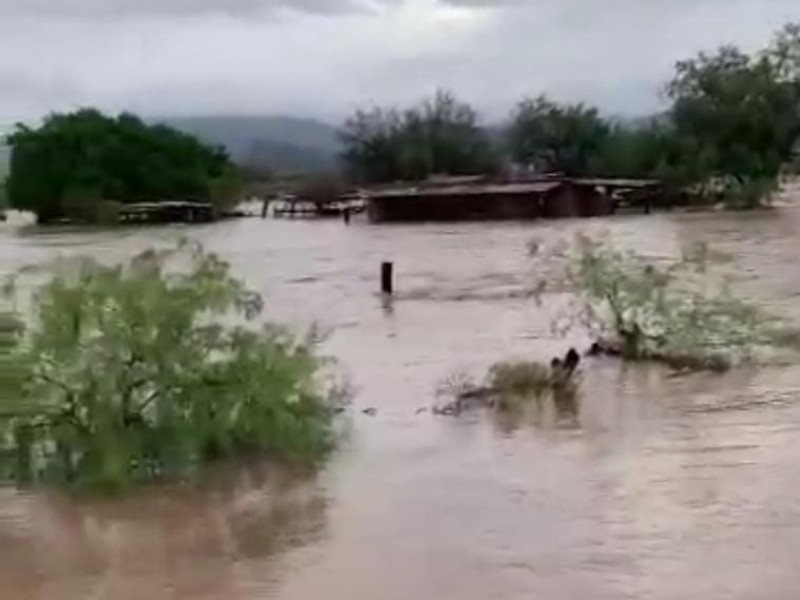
pixel 323 57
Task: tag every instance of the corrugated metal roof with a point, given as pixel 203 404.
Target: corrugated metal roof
pixel 471 190
pixel 451 180
pixel 137 206
pixel 611 182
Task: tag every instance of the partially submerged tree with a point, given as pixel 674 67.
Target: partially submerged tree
pixel 511 387
pixel 739 116
pixel 85 157
pixel 442 135
pixel 133 373
pixel 677 312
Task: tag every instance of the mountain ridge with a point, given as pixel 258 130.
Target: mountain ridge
pixel 284 144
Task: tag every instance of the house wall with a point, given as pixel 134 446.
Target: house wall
pixel 570 201
pixel 593 202
pixel 561 203
pixel 466 207
pixel 565 201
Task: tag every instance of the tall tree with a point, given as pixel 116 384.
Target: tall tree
pixel 738 115
pixel 556 137
pixel 440 135
pixel 371 140
pixel 73 161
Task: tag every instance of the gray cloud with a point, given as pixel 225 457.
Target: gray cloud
pixel 87 9
pixel 615 53
pixel 324 57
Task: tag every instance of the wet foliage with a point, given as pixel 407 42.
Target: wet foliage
pixel 518 382
pixel 151 370
pixel 510 387
pixel 679 312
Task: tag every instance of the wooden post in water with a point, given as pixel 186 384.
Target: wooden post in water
pixel 264 208
pixel 387 283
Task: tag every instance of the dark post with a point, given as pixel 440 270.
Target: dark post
pixel 346 215
pixel 264 208
pixel 387 284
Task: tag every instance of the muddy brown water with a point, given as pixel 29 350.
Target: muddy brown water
pixel 665 487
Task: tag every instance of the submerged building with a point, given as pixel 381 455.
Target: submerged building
pixel 547 198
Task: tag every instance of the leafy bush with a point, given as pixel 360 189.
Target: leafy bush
pixel 517 384
pixel 140 372
pixel 510 387
pixel 752 193
pixel 678 312
pixel 514 381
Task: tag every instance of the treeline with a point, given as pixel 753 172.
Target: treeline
pixel 84 165
pixel 731 126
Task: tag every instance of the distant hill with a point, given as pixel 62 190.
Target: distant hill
pixel 284 144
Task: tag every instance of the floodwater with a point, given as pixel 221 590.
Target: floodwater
pixel 664 488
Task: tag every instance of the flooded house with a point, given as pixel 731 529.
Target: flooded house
pixel 460 202
pixel 547 198
pixel 172 211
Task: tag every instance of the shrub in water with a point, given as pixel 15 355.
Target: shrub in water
pixel 139 372
pixel 678 312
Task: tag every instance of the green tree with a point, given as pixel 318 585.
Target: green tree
pixel 556 137
pixel 3 196
pixel 440 135
pixel 680 311
pixel 629 151
pixel 655 150
pixel 127 374
pixel 733 124
pixel 117 159
pixel 737 117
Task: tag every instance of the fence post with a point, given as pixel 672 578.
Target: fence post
pixel 387 283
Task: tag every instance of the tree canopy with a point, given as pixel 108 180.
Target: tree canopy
pixel 733 122
pixel 73 161
pixel 440 135
pixel 738 115
pixel 556 137
pixel 118 375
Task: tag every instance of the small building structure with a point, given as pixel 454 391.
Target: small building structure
pixel 442 181
pixel 544 196
pixel 461 202
pixel 293 207
pixel 577 200
pixel 172 211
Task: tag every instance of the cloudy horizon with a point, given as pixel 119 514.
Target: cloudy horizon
pixel 322 58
